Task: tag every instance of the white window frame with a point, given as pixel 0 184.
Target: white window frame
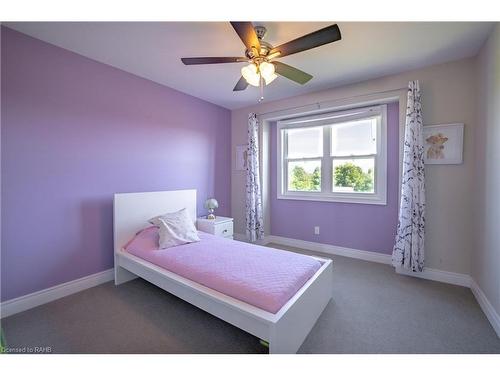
pixel 379 196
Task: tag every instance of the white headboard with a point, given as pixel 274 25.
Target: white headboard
pixel 133 210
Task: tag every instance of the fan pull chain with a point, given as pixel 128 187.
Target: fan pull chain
pixel 261 85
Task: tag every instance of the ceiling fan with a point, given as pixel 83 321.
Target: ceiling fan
pixel 263 68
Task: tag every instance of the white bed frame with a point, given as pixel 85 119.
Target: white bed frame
pixel 285 331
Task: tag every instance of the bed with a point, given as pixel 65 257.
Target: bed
pixel 283 320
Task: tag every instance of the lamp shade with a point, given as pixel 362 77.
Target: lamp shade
pixel 211 203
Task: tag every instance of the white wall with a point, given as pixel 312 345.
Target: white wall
pixel 449 95
pixel 486 250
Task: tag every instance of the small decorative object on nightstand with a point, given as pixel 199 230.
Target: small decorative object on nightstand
pixel 211 204
pixel 220 226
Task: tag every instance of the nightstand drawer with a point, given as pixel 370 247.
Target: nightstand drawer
pixel 220 226
pixel 224 229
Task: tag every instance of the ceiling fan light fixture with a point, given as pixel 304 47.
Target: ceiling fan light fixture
pixel 267 71
pixel 270 78
pixel 259 53
pixel 251 74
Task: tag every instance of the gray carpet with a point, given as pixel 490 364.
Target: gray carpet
pixel 373 310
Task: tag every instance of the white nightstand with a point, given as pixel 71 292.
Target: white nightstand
pixel 220 226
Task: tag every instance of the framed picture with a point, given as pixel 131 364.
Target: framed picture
pixel 241 157
pixel 443 144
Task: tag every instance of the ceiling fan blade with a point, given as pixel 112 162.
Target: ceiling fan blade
pixel 292 73
pixel 315 39
pixel 211 60
pixel 241 85
pixel 247 34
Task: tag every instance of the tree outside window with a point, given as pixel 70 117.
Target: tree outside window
pixel 349 175
pixel 303 181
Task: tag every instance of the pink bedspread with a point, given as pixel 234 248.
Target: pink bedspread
pixel 263 277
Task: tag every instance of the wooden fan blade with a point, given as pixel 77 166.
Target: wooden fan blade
pixel 315 39
pixel 292 73
pixel 211 60
pixel 241 85
pixel 247 34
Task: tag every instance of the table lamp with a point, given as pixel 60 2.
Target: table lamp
pixel 211 204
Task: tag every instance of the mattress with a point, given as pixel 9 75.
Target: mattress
pixel 263 277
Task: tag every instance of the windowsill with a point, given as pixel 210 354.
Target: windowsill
pixel 351 198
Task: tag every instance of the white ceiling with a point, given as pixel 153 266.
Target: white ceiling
pixel 367 50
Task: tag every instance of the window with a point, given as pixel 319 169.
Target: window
pixel 336 156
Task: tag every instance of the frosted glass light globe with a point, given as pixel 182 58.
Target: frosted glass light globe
pixel 250 73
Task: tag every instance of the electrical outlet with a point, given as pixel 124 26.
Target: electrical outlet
pixel 316 230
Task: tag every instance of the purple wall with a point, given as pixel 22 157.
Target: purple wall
pixel 74 132
pixel 357 226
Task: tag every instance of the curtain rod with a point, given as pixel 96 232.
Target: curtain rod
pixel 332 100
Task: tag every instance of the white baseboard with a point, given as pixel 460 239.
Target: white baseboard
pixel 243 238
pixel 488 309
pixel 429 273
pixel 41 297
pixel 240 237
pixel 439 275
pixel 330 249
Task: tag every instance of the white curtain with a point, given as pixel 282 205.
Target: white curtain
pixel 408 252
pixel 254 221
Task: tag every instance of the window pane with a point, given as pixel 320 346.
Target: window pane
pixel 305 142
pixel 353 175
pixel 354 138
pixel 304 175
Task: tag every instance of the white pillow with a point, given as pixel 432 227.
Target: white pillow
pixel 175 228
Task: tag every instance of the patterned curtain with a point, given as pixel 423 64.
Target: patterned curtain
pixel 408 250
pixel 254 221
